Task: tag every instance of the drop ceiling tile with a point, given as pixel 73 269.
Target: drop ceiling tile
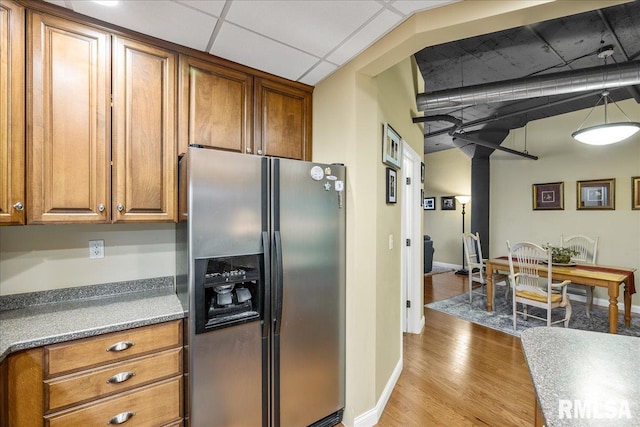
pixel 369 34
pixel 410 6
pixel 162 19
pixel 315 26
pixel 319 72
pixel 242 46
pixel 212 7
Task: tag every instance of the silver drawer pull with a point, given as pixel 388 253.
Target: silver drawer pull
pixel 121 418
pixel 120 378
pixel 120 346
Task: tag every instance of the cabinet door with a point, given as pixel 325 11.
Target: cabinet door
pixel 11 113
pixel 144 143
pixel 68 122
pixel 215 106
pixel 283 120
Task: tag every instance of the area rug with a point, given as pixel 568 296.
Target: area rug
pixel 436 269
pixel 502 320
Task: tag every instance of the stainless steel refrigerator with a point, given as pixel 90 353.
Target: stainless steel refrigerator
pixel 261 274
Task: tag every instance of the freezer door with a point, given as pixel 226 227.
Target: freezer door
pixel 226 377
pixel 227 211
pixel 309 285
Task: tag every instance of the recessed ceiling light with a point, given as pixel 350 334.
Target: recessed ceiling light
pixel 109 3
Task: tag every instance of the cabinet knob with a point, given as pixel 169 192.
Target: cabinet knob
pixel 120 346
pixel 120 378
pixel 121 418
pixel 260 152
pixel 100 207
pixel 120 207
pixel 18 206
pixel 249 150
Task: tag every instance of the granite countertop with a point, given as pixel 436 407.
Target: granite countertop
pixel 41 318
pixel 584 378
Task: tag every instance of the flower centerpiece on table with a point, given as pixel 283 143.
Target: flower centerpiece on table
pixel 561 255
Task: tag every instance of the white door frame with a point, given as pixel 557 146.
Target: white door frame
pixel 411 277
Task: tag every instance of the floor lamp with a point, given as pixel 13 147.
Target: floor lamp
pixel 463 200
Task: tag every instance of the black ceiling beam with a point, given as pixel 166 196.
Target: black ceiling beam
pixel 494 146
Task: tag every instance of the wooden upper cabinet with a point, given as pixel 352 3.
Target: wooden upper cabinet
pixel 215 106
pixel 282 120
pixel 12 143
pixel 68 121
pixel 144 143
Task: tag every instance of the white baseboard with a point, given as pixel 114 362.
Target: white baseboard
pixel 447 265
pixel 372 416
pixel 420 326
pixel 604 303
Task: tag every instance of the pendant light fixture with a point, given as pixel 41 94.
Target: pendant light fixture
pixel 606 133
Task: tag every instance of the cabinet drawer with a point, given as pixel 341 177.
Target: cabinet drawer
pixel 153 405
pixel 81 354
pixel 100 382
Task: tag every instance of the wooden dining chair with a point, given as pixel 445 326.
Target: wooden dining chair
pixel 587 248
pixel 477 268
pixel 530 289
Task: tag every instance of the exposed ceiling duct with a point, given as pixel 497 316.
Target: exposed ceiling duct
pixel 586 79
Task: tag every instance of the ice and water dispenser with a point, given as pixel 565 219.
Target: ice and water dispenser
pixel 229 291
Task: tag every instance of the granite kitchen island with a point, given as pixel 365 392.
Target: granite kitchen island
pixel 583 378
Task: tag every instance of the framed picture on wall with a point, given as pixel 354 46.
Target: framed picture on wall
pixel 392 186
pixel 391 146
pixel 596 194
pixel 548 196
pixel 448 203
pixel 429 203
pixel 635 192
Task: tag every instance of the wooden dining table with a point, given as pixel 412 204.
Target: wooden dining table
pixel 588 275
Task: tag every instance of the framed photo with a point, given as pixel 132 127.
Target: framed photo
pixel 429 203
pixel 596 194
pixel 391 147
pixel 448 203
pixel 422 172
pixel 635 192
pixel 392 186
pixel 548 196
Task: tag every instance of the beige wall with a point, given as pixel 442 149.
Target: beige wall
pixel 397 89
pixel 447 173
pixel 562 159
pixel 373 270
pixel 41 257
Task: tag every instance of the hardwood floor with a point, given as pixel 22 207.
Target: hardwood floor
pixel 457 373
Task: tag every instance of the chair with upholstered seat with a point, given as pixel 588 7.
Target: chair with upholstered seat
pixel 587 249
pixel 477 268
pixel 530 288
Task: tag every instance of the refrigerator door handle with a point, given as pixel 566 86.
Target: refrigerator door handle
pixel 278 283
pixel 266 247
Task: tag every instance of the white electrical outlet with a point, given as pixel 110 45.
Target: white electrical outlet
pixel 96 249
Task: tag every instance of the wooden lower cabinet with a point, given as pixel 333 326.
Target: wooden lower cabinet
pixel 154 405
pixel 137 382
